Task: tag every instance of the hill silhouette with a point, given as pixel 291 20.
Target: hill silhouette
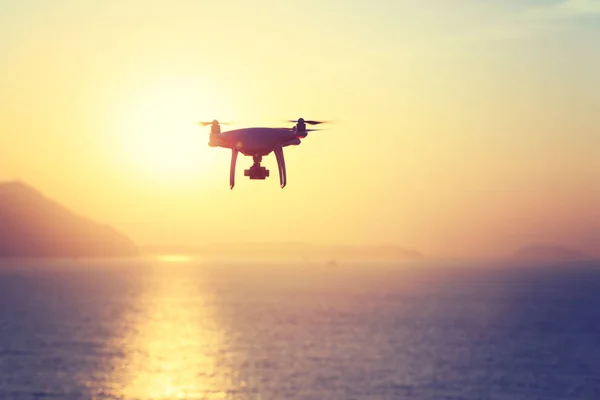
pixel 290 250
pixel 549 252
pixel 32 225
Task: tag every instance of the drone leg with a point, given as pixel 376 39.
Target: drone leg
pixel 281 165
pixel 234 154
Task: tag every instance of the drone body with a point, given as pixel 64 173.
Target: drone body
pixel 257 143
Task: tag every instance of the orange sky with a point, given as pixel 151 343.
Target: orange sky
pixel 463 130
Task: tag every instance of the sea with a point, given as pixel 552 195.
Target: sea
pixel 189 328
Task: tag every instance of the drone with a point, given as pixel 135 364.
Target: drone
pixel 257 143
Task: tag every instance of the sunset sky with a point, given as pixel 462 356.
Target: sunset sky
pixel 463 128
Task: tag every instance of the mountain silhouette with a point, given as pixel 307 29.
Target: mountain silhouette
pixel 290 250
pixel 32 225
pixel 548 252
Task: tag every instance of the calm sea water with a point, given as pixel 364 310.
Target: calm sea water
pixel 206 330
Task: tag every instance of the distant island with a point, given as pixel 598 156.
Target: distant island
pixel 32 225
pixel 549 252
pixel 290 251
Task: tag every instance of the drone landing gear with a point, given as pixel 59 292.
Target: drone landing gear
pixel 257 171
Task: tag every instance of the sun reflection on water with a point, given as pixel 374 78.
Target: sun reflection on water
pixel 175 258
pixel 170 350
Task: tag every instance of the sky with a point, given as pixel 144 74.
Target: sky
pixel 464 128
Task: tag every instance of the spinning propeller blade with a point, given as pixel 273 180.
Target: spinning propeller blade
pixel 207 123
pixel 306 130
pixel 309 121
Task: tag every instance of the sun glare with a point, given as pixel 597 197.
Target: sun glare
pixel 174 258
pixel 161 136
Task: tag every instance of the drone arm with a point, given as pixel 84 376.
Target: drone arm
pixel 281 165
pixel 234 154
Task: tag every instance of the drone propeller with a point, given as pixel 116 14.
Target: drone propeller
pixel 287 128
pixel 308 121
pixel 215 122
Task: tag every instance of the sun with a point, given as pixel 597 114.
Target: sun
pixel 160 136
